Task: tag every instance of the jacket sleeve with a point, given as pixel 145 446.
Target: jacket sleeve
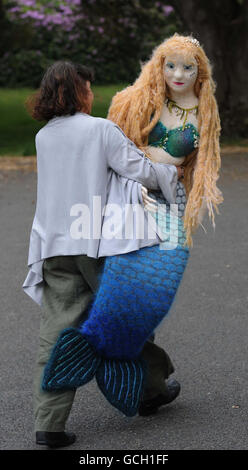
pixel 127 160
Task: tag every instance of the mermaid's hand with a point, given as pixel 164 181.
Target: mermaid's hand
pixel 149 203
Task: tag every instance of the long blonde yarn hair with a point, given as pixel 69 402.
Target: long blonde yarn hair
pixel 137 109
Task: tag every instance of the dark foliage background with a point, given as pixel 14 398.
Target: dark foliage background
pixel 112 37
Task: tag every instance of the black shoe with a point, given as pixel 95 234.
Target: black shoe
pixel 55 439
pixel 150 407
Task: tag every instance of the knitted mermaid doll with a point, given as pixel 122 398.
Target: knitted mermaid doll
pixel 171 114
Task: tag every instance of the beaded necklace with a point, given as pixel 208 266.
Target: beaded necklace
pixel 182 112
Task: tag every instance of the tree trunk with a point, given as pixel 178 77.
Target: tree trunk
pixel 222 29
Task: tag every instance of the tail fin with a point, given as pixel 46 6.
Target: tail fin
pixel 122 383
pixel 73 362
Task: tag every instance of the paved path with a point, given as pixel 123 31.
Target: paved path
pixel 206 335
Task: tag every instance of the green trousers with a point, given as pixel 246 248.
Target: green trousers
pixel 69 284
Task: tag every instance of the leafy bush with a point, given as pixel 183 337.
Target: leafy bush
pixel 22 68
pixel 111 37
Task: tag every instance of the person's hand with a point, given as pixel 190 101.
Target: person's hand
pixel 180 172
pixel 149 203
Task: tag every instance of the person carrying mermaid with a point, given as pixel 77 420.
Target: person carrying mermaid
pixel 103 298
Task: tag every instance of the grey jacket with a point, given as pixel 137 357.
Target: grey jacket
pixel 87 169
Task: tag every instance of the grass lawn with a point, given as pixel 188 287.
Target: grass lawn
pixel 18 129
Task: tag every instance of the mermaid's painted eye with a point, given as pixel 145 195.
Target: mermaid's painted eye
pixel 170 65
pixel 187 67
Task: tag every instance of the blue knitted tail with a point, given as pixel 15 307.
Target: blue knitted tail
pixel 122 383
pixel 74 362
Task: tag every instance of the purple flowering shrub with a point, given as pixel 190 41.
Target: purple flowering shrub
pixel 113 37
pixel 47 14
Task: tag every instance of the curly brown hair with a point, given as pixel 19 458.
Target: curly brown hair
pixel 63 91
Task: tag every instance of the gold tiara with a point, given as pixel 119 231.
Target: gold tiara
pixel 193 41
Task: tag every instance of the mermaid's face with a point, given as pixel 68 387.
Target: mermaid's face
pixel 180 72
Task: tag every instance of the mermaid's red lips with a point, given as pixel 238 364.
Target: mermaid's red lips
pixel 178 83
